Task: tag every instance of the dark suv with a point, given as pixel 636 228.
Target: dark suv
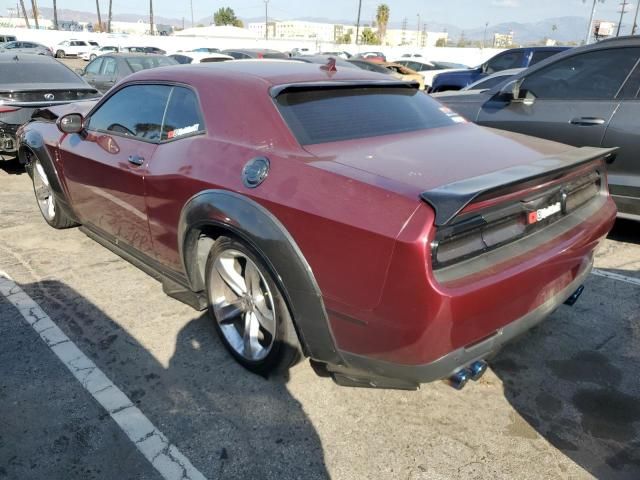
pixel 514 58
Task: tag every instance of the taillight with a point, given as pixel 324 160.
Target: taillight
pixel 8 109
pixel 477 232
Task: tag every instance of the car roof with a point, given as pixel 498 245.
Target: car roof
pixel 624 40
pixel 132 55
pixel 257 72
pixel 251 50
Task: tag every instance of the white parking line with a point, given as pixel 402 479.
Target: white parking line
pixel 152 443
pixel 616 276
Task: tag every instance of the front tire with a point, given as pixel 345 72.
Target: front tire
pixel 60 54
pixel 92 57
pixel 249 310
pixel 46 198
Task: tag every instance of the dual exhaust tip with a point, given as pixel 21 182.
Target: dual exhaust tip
pixel 473 372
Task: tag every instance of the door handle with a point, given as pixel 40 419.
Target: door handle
pixel 136 159
pixel 587 121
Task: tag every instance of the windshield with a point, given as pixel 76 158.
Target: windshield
pixel 330 115
pixel 143 63
pixel 445 65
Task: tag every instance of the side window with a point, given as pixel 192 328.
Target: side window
pixel 11 45
pixel 596 75
pixel 183 115
pixel 134 111
pixel 109 66
pixel 540 55
pixel 505 61
pixel 94 67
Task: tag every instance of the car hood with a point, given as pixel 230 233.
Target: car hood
pixel 410 163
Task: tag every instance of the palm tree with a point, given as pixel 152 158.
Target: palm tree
pixel 382 19
pixel 55 15
pixel 24 13
pixel 34 9
pixel 151 16
pixel 109 19
pixel 99 17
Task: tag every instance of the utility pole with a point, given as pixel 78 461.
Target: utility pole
pixel 418 34
pixel 191 1
pixel 623 10
pixel 635 20
pixel 266 19
pixel 151 16
pixel 358 22
pixel 109 17
pixel 55 15
pixel 590 27
pixel 24 12
pixel 404 30
pixel 484 37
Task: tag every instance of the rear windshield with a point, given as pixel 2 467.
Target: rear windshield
pixel 144 63
pixel 330 115
pixel 45 72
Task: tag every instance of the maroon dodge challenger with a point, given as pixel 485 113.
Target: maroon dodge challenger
pixel 337 215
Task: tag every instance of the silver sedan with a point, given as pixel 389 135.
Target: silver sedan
pixel 25 47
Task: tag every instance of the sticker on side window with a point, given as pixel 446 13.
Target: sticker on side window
pixel 178 132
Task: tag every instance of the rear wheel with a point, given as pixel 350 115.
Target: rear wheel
pixel 250 313
pixel 60 54
pixel 47 202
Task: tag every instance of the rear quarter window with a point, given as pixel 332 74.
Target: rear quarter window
pixel 330 115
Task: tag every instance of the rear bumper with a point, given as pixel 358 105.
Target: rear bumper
pixel 366 371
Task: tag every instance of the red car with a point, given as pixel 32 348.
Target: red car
pixel 339 215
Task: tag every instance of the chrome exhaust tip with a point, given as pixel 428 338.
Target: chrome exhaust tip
pixel 477 369
pixel 459 379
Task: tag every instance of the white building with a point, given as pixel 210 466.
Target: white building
pixel 296 29
pixel 413 38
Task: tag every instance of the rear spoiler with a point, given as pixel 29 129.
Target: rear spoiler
pixel 338 84
pixel 448 200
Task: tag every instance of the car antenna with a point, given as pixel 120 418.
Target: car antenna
pixel 330 66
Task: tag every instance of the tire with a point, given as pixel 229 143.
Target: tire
pixel 60 54
pixel 46 198
pixel 92 57
pixel 248 309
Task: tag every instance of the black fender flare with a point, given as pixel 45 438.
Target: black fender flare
pixel 241 216
pixel 32 140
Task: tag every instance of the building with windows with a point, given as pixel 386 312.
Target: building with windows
pixel 502 40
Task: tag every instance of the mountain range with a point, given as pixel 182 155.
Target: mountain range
pixel 563 29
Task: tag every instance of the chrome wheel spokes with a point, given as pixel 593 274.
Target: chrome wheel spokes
pixel 44 194
pixel 243 305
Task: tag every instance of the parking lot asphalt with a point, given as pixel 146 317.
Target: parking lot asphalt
pixel 561 402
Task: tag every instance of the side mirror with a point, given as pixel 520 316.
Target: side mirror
pixel 71 123
pixel 512 92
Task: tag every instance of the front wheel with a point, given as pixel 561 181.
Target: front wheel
pixel 249 310
pixel 60 54
pixel 47 202
pixel 92 57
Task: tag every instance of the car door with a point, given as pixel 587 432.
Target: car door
pixel 624 132
pixel 108 75
pixel 92 72
pixel 105 166
pixel 571 100
pixel 166 192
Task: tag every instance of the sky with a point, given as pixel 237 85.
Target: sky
pixel 462 13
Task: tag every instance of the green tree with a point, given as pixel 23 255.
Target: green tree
pixel 344 39
pixel 441 42
pixel 226 16
pixel 382 19
pixel 369 38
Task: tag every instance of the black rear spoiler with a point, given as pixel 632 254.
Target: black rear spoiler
pixel 338 84
pixel 448 200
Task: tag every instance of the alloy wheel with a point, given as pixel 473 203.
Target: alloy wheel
pixel 43 192
pixel 243 305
